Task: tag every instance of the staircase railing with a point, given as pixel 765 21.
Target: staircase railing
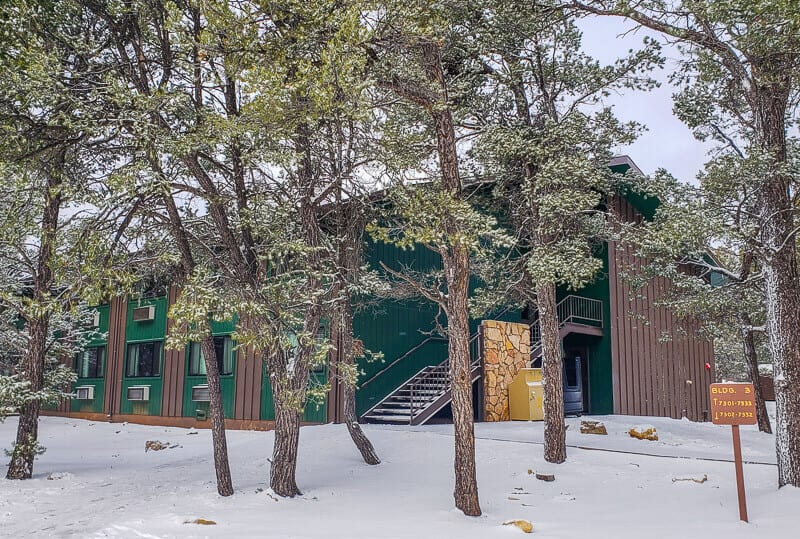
pixel 439 377
pixel 401 358
pixel 570 310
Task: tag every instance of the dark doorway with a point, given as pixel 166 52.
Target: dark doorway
pixel 576 379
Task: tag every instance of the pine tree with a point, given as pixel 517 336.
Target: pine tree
pixel 739 74
pixel 543 133
pixel 46 85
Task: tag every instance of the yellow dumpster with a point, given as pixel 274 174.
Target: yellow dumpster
pixel 525 395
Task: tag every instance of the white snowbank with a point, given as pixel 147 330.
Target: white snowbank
pixel 112 488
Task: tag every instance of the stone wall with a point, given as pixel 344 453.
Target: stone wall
pixel 506 349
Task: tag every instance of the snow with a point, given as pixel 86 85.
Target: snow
pixel 95 480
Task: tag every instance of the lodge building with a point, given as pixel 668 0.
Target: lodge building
pixel 623 355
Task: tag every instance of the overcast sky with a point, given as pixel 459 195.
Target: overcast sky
pixel 667 143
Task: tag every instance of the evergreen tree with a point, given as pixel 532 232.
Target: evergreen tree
pixel 46 86
pixel 545 136
pixel 740 74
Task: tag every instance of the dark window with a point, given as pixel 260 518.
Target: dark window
pixel 144 359
pixel 89 363
pixel 223 349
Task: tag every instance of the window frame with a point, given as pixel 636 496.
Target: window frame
pixel 195 356
pixel 100 365
pixel 157 356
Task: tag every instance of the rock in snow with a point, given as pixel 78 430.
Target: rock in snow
pixel 644 433
pixel 154 445
pixel 523 525
pixel 593 427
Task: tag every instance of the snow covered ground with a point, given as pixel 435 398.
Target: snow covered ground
pixel 95 480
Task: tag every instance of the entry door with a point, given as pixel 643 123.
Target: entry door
pixel 575 363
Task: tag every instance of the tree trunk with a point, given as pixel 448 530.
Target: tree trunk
pixel 783 328
pixel 555 444
pixel 22 457
pixel 363 444
pixel 287 436
pixel 24 452
pixel 466 484
pixel 455 260
pixel 360 439
pixel 218 438
pixel 781 280
pixel 751 360
pixel 220 443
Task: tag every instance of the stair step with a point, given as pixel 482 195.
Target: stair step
pixel 417 398
pixel 402 420
pixel 391 411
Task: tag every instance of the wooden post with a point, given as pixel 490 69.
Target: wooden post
pixel 737 459
pixel 734 404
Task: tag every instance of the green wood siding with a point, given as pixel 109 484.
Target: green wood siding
pixel 393 328
pixel 98 338
pixel 601 391
pixel 227 381
pixel 140 332
pixel 95 405
pixel 313 413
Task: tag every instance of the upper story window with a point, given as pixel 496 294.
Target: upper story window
pixel 223 349
pixel 90 362
pixel 144 359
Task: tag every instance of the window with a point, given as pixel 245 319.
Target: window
pixel 223 348
pixel 89 363
pixel 144 359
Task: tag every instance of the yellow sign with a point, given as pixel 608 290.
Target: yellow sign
pixel 733 404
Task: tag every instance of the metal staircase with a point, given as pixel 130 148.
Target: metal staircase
pixel 420 397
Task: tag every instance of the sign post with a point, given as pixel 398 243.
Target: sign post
pixel 734 405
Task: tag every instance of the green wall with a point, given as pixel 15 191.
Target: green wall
pixel 99 338
pixel 227 381
pixel 393 328
pixel 146 331
pixel 313 412
pixel 601 391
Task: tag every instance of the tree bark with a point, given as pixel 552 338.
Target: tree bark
pixel 455 259
pixel 466 484
pixel 751 361
pixel 24 453
pixel 781 277
pixel 282 479
pixel 360 439
pixel 783 328
pixel 290 379
pixel 555 446
pixel 218 438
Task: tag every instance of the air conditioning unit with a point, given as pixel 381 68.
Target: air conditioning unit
pixel 84 393
pixel 200 393
pixel 139 393
pixel 143 314
pixel 96 319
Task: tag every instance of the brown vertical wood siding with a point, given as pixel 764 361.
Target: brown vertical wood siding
pixel 652 376
pixel 174 369
pixel 115 354
pixel 249 372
